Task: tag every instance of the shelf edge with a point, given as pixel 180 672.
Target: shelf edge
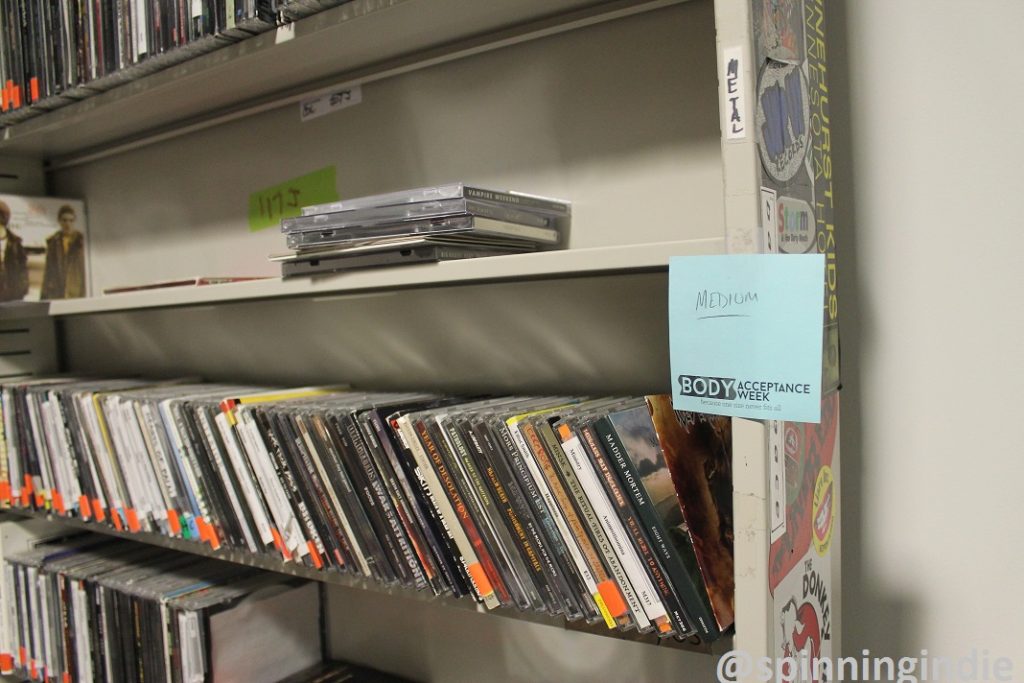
pixel 541 265
pixel 335 579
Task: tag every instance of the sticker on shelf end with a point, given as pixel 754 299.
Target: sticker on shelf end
pixel 327 103
pixel 734 87
pixel 777 490
pixel 769 220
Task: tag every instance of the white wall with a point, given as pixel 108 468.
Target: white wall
pixel 933 265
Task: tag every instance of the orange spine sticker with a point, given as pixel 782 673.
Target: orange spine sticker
pixel 26 491
pixel 174 522
pixel 83 506
pixel 34 88
pixel 317 562
pixel 279 544
pixel 17 96
pixel 58 502
pixel 5 491
pixel 133 520
pixel 609 590
pixel 22 656
pixel 479 576
pixel 208 533
pixel 98 513
pixel 6 663
pixel 116 519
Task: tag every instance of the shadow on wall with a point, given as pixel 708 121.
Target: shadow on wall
pixel 872 618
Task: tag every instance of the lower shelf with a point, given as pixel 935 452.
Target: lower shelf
pixel 273 564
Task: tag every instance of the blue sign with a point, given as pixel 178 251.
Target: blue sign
pixel 745 335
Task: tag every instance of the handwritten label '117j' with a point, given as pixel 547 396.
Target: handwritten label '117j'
pixel 284 200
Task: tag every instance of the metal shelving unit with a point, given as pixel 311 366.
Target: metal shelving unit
pixel 617 105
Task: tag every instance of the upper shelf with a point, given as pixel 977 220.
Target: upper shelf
pixel 567 263
pixel 359 41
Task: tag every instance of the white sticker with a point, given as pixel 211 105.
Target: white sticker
pixel 284 33
pixel 734 111
pixel 776 479
pixel 141 40
pixel 769 220
pixel 330 102
pixel 796 231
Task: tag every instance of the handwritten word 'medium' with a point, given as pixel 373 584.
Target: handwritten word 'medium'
pixel 709 300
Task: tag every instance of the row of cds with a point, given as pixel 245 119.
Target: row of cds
pixel 95 608
pixel 57 51
pixel 603 509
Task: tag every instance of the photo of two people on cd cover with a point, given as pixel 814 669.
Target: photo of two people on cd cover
pixel 42 249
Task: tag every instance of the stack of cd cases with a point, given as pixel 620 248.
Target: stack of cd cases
pixel 428 224
pixel 93 608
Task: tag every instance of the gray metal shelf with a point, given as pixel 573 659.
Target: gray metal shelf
pixel 274 564
pixel 359 41
pixel 518 267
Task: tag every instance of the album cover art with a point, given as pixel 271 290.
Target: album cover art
pixel 43 248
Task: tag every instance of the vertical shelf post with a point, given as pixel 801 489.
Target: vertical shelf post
pixel 777 160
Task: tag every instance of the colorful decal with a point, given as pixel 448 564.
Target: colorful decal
pixel 792 107
pixel 783 120
pixel 824 510
pixel 795 226
pixel 809 450
pixel 803 621
pixel 780 30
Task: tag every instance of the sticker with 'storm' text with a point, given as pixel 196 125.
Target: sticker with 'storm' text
pixel 745 335
pixel 285 200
